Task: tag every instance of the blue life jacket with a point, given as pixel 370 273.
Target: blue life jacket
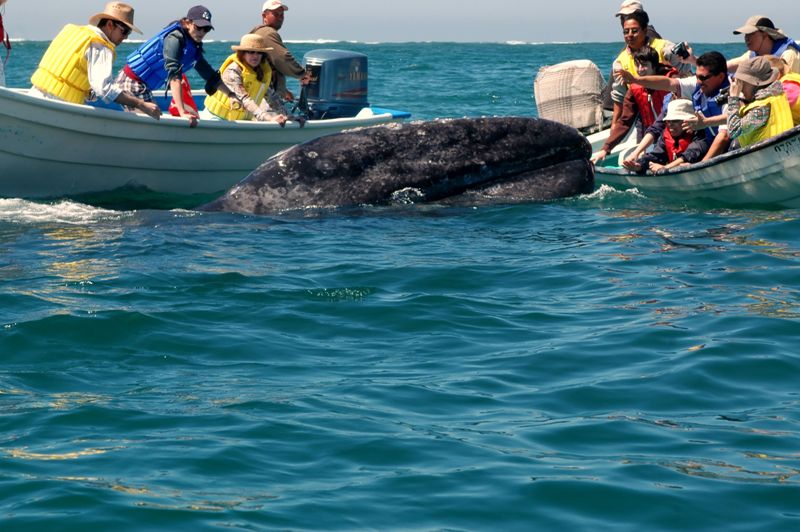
pixel 709 107
pixel 147 61
pixel 780 46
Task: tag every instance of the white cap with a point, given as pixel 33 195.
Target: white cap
pixel 628 7
pixel 271 5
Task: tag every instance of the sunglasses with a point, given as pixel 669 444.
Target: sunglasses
pixel 204 29
pixel 631 31
pixel 705 78
pixel 125 29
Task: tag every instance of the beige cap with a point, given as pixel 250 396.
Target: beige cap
pixel 680 109
pixel 116 11
pixel 757 71
pixel 628 7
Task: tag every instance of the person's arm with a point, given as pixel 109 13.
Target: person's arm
pixel 100 64
pixel 149 108
pixel 619 128
pixel 630 160
pixel 660 83
pixel 695 151
pixel 719 146
pixel 755 118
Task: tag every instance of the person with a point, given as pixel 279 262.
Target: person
pixel 676 146
pixel 763 38
pixel 283 62
pixel 707 90
pixel 247 74
pixel 640 102
pixel 791 85
pixel 757 108
pixel 630 6
pixel 634 27
pixel 6 43
pixel 162 60
pixel 77 66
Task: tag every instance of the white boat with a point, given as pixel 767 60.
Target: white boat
pixel 766 173
pixel 51 149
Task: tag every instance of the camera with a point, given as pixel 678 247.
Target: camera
pixel 681 50
pixel 722 98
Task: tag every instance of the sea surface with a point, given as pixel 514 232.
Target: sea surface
pixel 607 362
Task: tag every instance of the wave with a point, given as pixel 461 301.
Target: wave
pixel 19 211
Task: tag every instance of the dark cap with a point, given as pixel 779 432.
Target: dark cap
pixel 200 16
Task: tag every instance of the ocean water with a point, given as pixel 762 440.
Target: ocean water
pixel 606 362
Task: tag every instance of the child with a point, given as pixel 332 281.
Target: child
pixel 675 147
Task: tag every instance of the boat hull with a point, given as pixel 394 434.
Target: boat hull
pixel 767 173
pixel 56 149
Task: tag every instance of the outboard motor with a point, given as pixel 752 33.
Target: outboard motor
pixel 338 87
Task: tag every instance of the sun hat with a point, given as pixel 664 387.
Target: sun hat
pixel 680 109
pixel 117 11
pixel 628 7
pixel 271 5
pixel 757 71
pixel 252 43
pixel 200 17
pixel 760 23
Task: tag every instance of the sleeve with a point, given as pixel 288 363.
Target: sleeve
pixel 623 125
pixel 173 52
pixel 100 63
pixel 755 118
pixel 232 77
pixel 688 86
pixel 696 150
pixel 280 57
pixel 206 71
pixel 657 155
pixel 657 129
pixel 792 58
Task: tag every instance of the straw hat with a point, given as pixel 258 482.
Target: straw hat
pixel 252 43
pixel 757 71
pixel 680 109
pixel 118 11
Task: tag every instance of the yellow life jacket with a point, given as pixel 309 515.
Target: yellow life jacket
pixel 625 58
pixel 63 71
pixel 794 77
pixel 222 106
pixel 780 119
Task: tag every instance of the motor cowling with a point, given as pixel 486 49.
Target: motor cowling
pixel 338 87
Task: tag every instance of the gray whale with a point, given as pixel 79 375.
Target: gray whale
pixel 451 161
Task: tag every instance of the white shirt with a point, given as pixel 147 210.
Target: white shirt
pixel 100 60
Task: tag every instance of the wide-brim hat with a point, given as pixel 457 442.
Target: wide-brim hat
pixel 680 109
pixel 117 11
pixel 628 7
pixel 252 43
pixel 757 71
pixel 760 23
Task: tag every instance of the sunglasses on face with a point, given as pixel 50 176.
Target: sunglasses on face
pixel 705 78
pixel 125 29
pixel 204 29
pixel 631 31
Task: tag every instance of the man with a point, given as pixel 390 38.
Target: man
pixel 630 6
pixel 282 60
pixel 762 38
pixel 707 90
pixel 77 66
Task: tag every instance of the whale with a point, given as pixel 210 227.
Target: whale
pixel 458 161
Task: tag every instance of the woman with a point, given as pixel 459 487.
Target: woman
pixel 163 59
pixel 644 104
pixel 757 106
pixel 6 42
pixel 247 74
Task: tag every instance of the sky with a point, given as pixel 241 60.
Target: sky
pixel 431 20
